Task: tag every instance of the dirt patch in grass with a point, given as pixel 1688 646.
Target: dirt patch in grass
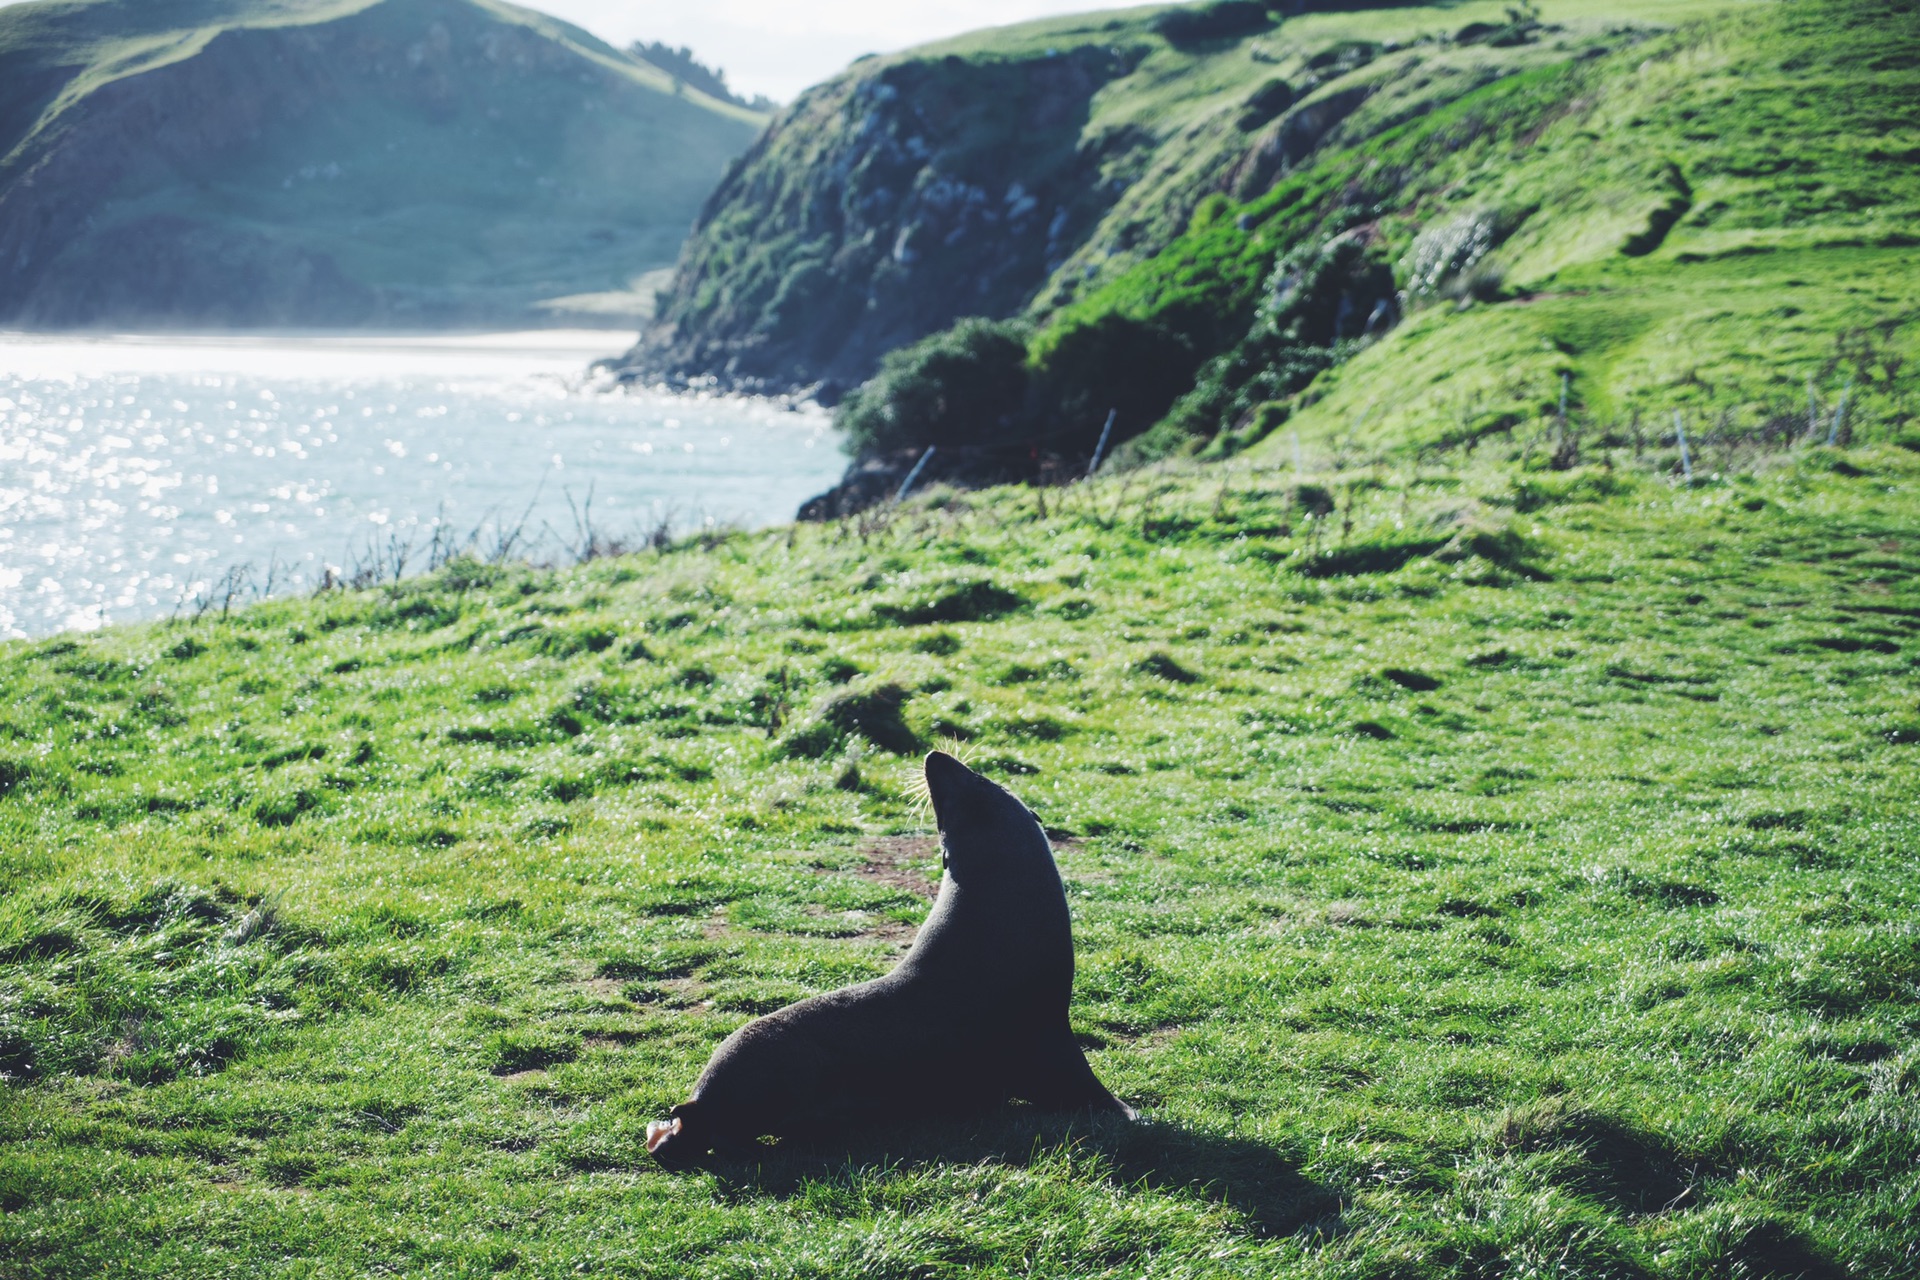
pixel 899 863
pixel 864 924
pixel 610 1040
pixel 891 861
pixel 896 861
pixel 903 864
pixel 685 993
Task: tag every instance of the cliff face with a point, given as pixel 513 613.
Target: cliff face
pixel 408 161
pixel 885 205
pixel 1010 172
pixel 951 181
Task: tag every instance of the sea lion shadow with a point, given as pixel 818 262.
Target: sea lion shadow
pixel 1252 1178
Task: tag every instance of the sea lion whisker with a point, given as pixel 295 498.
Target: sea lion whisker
pixel 920 794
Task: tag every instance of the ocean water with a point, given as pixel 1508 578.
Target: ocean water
pixel 137 475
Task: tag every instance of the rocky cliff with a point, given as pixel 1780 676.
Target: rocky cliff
pixel 884 205
pixel 335 162
pixel 1423 223
pixel 1009 171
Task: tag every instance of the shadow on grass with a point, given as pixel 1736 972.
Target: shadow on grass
pixel 1774 1251
pixel 1620 1165
pixel 1631 1170
pixel 1626 1168
pixel 1249 1177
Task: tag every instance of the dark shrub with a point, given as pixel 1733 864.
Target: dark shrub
pixel 975 601
pixel 13 776
pixel 1321 301
pixel 1323 294
pixel 1163 667
pixel 875 716
pixel 976 385
pixel 966 386
pixel 1266 102
pixel 1221 20
pixel 1112 363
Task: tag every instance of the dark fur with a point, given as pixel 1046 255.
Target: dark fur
pixel 974 1015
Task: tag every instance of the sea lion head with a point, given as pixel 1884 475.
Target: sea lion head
pixel 985 832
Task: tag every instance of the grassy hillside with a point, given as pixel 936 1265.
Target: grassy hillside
pixel 1478 870
pixel 428 160
pixel 1395 227
pixel 1704 221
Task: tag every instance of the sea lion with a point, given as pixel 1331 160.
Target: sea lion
pixel 975 1014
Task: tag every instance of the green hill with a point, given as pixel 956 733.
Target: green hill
pixel 1705 222
pixel 1398 226
pixel 248 162
pixel 1476 873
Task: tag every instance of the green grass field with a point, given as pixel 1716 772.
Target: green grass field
pixel 1478 870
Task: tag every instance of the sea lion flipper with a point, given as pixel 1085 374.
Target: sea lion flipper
pixel 1058 1077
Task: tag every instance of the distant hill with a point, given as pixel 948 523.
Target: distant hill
pixel 239 163
pixel 1393 226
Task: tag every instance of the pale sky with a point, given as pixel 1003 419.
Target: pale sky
pixel 779 47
